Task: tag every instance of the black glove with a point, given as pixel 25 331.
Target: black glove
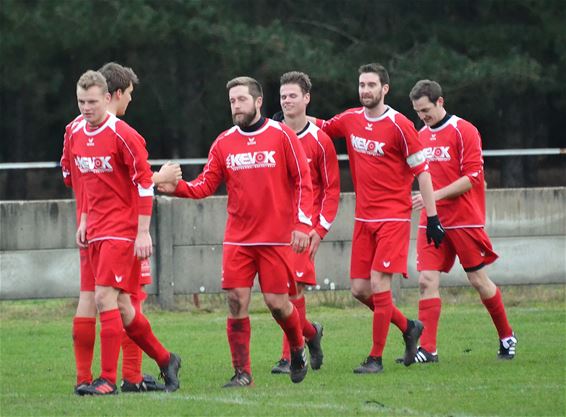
pixel 434 231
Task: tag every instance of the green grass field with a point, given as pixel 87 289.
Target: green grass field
pixel 37 366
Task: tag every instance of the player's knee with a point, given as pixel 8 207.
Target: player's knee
pixel 480 281
pixel 424 282
pixel 359 293
pixel 234 303
pixel 278 313
pixel 428 281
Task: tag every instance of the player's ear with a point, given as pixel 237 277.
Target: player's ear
pixel 307 98
pixel 385 88
pixel 259 101
pixel 440 101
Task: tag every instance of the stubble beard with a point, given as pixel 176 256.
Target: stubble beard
pixel 372 104
pixel 246 120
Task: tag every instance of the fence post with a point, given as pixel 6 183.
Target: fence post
pixel 164 253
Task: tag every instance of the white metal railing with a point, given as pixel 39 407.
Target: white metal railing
pixel 341 157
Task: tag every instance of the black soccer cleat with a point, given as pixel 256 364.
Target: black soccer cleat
pixel 170 373
pixel 283 366
pixel 101 386
pixel 507 348
pixel 80 389
pixel 424 356
pixel 315 348
pixel 299 365
pixel 148 383
pixel 240 379
pixel 411 337
pixel 372 365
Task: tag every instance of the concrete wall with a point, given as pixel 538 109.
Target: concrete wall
pixel 38 258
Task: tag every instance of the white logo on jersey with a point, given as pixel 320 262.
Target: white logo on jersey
pixel 482 253
pixel 309 160
pixel 433 136
pixel 251 141
pixel 94 164
pixel 369 127
pixel 386 263
pixel 118 278
pixel 299 274
pixel 90 142
pixel 366 146
pixel 437 153
pixel 250 160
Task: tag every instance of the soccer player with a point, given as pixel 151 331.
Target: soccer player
pixel 384 157
pixel 323 163
pixel 269 213
pixel 121 81
pixel 117 191
pixel 453 149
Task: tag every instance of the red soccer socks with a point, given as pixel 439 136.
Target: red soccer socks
pixel 140 332
pixel 132 354
pixel 84 334
pixel 496 309
pixel 132 357
pixel 308 329
pixel 383 307
pixel 292 328
pixel 398 319
pixel 429 315
pixel 110 336
pixel 239 333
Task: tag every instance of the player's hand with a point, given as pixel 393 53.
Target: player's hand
pixel 170 172
pixel 167 188
pixel 142 246
pixel 299 241
pixel 434 231
pixel 80 236
pixel 418 202
pixel 315 243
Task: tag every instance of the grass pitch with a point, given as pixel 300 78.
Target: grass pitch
pixel 37 366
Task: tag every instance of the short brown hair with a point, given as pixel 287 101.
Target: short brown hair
pixel 377 69
pixel 93 78
pixel 299 78
pixel 426 88
pixel 253 85
pixel 118 77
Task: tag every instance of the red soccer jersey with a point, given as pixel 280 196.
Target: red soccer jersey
pixel 268 183
pixel 454 150
pixel 325 176
pixel 111 162
pixel 71 176
pixel 385 155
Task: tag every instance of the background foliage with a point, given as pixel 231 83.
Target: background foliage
pixel 499 62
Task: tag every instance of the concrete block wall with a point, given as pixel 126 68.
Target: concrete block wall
pixel 39 259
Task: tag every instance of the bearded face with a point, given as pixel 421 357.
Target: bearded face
pixel 244 118
pixel 370 90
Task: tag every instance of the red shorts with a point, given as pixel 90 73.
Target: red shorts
pixel 379 246
pixel 115 265
pixel 145 277
pixel 304 269
pixel 140 296
pixel 273 264
pixel 472 245
pixel 87 276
